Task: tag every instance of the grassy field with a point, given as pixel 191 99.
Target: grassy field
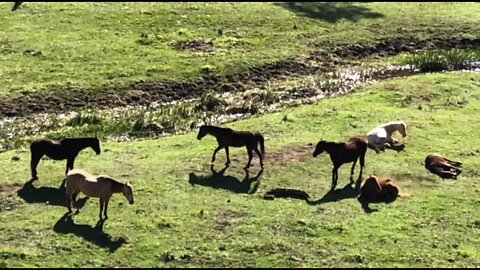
pixel 48 45
pixel 223 220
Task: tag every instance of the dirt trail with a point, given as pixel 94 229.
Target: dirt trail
pixel 70 97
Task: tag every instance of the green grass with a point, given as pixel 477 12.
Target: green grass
pixel 434 61
pixel 47 45
pixel 435 227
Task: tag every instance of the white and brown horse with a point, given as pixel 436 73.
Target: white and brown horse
pixel 101 187
pixel 381 136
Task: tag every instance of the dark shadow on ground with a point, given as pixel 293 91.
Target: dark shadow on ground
pixel 330 11
pixel 346 192
pixel 54 196
pixel 95 235
pixel 366 205
pixel 220 180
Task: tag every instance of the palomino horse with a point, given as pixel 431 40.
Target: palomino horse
pixel 227 137
pixel 340 153
pixel 443 167
pixel 101 187
pixel 381 135
pixel 67 148
pixel 376 190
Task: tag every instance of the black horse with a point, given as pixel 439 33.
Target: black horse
pixel 67 148
pixel 228 137
pixel 340 153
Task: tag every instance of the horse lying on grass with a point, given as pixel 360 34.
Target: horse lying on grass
pixel 101 187
pixel 381 138
pixel 442 166
pixel 376 190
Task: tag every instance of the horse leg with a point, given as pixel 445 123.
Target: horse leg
pixel 35 159
pixel 259 155
pixel 74 197
pixel 352 172
pixel 69 203
pixel 215 152
pixel 250 156
pixel 70 162
pixel 228 156
pixel 362 164
pixel 334 178
pixel 105 209
pixel 102 201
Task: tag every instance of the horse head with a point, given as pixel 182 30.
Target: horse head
pixel 319 148
pixel 202 132
pixel 402 128
pixel 96 145
pixel 128 192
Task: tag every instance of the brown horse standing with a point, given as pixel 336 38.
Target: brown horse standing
pixel 101 187
pixel 442 166
pixel 340 153
pixel 67 148
pixel 227 137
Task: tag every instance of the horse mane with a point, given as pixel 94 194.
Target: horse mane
pixel 397 122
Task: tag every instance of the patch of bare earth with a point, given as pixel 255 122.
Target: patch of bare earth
pixel 8 196
pixel 290 154
pixel 225 218
pixel 194 45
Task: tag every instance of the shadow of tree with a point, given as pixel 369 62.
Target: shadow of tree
pixel 330 11
pixel 95 235
pixel 346 192
pixel 219 180
pixel 54 196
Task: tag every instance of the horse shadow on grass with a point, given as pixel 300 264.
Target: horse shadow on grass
pixel 347 192
pixel 227 182
pixel 330 11
pixel 52 196
pixel 95 234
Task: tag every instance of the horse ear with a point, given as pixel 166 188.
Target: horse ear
pixel 96 135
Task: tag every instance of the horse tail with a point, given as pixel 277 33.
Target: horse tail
pixel 261 141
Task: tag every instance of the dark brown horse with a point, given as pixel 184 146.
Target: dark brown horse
pixel 340 153
pixel 443 167
pixel 228 137
pixel 67 148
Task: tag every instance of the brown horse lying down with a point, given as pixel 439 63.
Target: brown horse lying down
pixel 442 166
pixel 376 190
pixel 94 186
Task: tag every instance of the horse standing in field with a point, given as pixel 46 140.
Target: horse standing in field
pixel 340 153
pixel 443 167
pixel 101 187
pixel 67 148
pixel 376 190
pixel 227 137
pixel 381 136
